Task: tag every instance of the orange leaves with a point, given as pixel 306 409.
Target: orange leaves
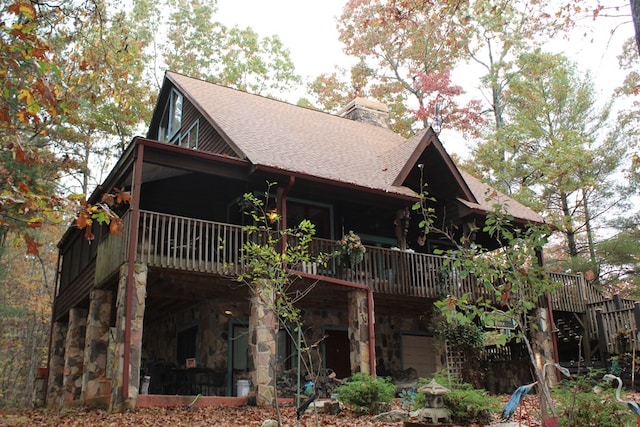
pixel 32 245
pixel 103 213
pixel 24 188
pixel 117 197
pixel 84 222
pixel 23 8
pixel 272 216
pixel 34 223
pixel 115 227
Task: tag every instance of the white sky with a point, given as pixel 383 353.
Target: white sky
pixel 308 29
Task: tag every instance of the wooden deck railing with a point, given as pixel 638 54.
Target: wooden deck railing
pixel 182 243
pixel 393 271
pixel 113 251
pixel 612 305
pixel 176 242
pixel 574 294
pixel 617 329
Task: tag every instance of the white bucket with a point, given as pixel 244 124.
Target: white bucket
pixel 144 387
pixel 242 388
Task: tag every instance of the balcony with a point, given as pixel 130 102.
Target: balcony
pixel 175 242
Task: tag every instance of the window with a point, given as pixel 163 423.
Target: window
pixel 318 214
pixel 189 139
pixel 187 344
pixel 172 118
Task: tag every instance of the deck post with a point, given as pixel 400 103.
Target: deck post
pixel 263 326
pixel 359 331
pixel 74 356
pixel 121 399
pixel 636 315
pixel 602 339
pixel 96 348
pixel 617 301
pixel 56 364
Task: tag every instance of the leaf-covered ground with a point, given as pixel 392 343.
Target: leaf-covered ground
pixel 200 417
pixel 528 415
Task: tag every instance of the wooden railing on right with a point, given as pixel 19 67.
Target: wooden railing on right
pixel 574 294
pixel 606 306
pixel 616 329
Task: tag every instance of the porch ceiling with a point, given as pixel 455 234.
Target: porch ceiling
pixel 172 290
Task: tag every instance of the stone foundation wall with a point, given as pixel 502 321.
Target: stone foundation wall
pixel 139 286
pixel 389 330
pixel 56 364
pixel 160 338
pixel 96 348
pixel 74 356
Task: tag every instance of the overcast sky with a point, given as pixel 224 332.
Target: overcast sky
pixel 307 28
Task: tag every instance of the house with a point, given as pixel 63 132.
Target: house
pixel 158 309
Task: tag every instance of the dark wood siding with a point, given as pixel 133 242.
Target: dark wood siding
pixel 75 293
pixel 208 138
pixel 78 253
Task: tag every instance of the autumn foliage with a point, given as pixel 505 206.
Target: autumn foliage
pixel 38 121
pixel 103 213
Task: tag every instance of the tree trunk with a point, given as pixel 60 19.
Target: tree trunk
pixel 569 230
pixel 587 217
pixel 635 15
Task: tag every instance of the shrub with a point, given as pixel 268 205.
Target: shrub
pixel 469 405
pixel 578 405
pixel 364 393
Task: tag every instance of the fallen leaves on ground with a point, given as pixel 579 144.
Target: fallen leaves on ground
pixel 180 417
pixel 526 416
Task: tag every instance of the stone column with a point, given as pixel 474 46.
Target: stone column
pixel 94 383
pixel 56 364
pixel 118 402
pixel 74 356
pixel 359 331
pixel 262 347
pixel 542 344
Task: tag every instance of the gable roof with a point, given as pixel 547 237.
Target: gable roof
pixel 488 196
pixel 278 135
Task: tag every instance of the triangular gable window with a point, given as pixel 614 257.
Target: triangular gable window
pixel 171 118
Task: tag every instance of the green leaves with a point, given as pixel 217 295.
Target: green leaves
pixel 266 262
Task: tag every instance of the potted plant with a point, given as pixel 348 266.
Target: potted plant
pixel 349 250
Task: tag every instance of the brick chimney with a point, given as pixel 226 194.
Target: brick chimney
pixel 366 111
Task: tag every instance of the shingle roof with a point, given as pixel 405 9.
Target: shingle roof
pixel 487 196
pixel 285 136
pixel 276 134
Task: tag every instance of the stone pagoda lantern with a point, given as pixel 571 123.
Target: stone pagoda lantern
pixel 434 411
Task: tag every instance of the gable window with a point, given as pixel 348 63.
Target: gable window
pixel 172 118
pixel 189 138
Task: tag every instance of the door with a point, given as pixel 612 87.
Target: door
pixel 337 352
pixel 419 353
pixel 238 352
